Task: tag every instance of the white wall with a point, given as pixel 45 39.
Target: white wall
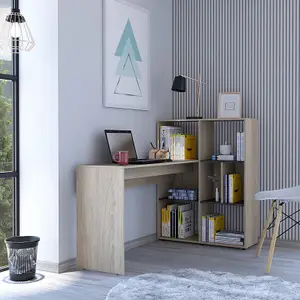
pixel 82 118
pixel 39 129
pixel 62 117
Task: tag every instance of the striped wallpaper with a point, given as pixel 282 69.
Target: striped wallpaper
pixel 251 46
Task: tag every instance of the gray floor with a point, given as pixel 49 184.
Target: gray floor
pixel 156 257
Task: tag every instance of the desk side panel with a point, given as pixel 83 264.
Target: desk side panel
pixel 100 219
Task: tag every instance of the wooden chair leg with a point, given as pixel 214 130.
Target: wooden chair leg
pixel 274 238
pixel 264 233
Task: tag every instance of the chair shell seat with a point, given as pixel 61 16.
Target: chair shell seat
pixel 288 194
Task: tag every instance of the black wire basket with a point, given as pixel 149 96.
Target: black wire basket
pixel 22 257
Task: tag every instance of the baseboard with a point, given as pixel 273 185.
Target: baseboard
pixel 65 266
pixel 47 266
pixel 140 241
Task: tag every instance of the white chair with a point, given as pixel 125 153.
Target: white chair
pixel 279 197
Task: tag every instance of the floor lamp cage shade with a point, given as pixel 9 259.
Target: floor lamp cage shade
pixel 15 33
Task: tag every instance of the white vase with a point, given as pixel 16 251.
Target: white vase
pixel 217 195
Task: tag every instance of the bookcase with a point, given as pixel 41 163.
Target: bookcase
pixel 210 133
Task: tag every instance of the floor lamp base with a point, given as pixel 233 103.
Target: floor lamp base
pixel 194 117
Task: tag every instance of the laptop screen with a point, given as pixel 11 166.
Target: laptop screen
pixel 121 140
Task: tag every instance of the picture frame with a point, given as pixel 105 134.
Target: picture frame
pixel 230 105
pixel 126 55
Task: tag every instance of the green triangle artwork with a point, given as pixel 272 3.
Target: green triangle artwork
pixel 128 70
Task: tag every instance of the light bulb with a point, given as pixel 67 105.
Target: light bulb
pixel 15 31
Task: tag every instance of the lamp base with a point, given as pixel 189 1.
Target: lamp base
pixel 193 117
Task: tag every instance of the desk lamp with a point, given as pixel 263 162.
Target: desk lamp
pixel 179 85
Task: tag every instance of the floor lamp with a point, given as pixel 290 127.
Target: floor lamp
pixel 179 85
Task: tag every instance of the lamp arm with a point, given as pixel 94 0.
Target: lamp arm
pixel 193 79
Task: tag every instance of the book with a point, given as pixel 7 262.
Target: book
pixel 166 132
pixel 238 146
pixel 228 239
pixel 186 224
pixel 203 229
pixel 216 223
pixel 173 213
pixel 242 146
pixel 225 188
pixel 164 225
pixel 170 208
pixel 225 157
pixel 234 188
pixel 231 234
pixel 180 210
pixel 195 207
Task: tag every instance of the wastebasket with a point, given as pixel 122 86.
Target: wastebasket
pixel 22 257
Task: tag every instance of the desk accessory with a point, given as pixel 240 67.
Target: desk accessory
pixel 215 180
pixel 230 105
pixel 162 154
pixel 121 157
pixel 179 85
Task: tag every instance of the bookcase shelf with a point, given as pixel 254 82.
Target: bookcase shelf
pixel 222 161
pixel 223 245
pixel 213 201
pixel 193 239
pixel 242 216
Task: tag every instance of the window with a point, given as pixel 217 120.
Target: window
pixel 9 141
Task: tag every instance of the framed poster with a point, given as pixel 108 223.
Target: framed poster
pixel 230 105
pixel 126 55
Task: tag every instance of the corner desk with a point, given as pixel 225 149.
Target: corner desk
pixel 100 193
pixel 100 208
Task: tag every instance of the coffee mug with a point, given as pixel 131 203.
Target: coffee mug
pixel 121 157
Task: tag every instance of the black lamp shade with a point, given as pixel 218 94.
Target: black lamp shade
pixel 179 84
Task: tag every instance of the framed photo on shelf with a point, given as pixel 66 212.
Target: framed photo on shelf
pixel 126 55
pixel 230 105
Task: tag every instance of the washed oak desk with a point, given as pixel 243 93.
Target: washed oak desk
pixel 100 208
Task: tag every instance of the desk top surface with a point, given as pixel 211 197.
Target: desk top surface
pixel 178 162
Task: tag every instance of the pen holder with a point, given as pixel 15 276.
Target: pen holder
pixel 158 154
pixel 162 154
pixel 152 153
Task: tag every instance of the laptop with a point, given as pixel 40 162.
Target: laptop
pixel 122 140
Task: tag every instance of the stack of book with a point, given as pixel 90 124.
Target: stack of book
pixel 230 237
pixel 228 157
pixel 183 194
pixel 211 225
pixel 177 221
pixel 232 188
pixel 240 146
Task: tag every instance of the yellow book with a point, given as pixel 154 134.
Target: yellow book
pixel 190 147
pixel 216 223
pixel 235 188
